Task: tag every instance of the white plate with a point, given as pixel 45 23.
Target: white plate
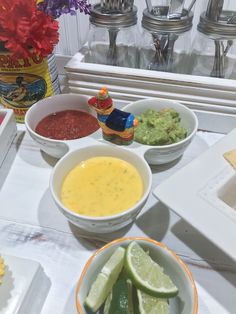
pixel 203 193
pixel 24 286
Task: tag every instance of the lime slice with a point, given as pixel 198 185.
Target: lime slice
pixel 135 301
pixel 120 300
pixel 130 297
pixel 105 280
pixel 152 305
pixel 146 274
pixel 107 304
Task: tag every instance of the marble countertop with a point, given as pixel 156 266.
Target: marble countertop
pixel 32 227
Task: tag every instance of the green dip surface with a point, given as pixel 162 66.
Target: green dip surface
pixel 159 127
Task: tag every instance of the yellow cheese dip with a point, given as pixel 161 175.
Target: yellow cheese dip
pixel 101 186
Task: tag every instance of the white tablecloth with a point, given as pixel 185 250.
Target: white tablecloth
pixel 32 227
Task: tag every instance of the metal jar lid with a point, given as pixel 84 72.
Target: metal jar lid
pixel 161 24
pixel 99 18
pixel 221 29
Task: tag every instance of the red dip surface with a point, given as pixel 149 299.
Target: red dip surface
pixel 67 125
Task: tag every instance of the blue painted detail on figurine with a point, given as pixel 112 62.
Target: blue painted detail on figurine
pixel 119 120
pixel 102 119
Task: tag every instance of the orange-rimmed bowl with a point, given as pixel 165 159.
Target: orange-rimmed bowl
pixel 186 302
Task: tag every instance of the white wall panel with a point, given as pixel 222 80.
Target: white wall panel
pixel 73 33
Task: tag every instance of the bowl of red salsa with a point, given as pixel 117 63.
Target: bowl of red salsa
pixel 56 123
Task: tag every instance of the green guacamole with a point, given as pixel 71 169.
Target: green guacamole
pixel 159 127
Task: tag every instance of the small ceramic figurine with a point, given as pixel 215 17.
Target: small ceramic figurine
pixel 117 126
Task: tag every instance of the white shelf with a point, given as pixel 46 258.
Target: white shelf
pixel 213 99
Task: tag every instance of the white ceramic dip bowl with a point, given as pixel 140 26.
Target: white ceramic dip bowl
pixel 163 154
pixel 186 302
pixel 108 223
pixel 47 106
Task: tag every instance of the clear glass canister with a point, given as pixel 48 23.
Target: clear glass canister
pixel 113 38
pixel 214 48
pixel 166 43
pixel 213 57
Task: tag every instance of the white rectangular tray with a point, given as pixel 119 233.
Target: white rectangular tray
pixel 212 99
pixel 203 193
pixel 198 92
pixel 7 131
pixel 24 286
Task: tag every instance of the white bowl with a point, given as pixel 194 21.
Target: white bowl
pixel 186 302
pixel 157 155
pixel 47 106
pixel 100 224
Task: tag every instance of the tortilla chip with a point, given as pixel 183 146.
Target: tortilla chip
pixel 230 156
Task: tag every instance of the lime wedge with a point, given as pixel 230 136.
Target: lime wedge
pixel 120 300
pixel 130 297
pixel 147 275
pixel 152 305
pixel 107 304
pixel 105 280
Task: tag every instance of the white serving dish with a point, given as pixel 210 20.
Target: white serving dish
pixel 203 193
pixel 24 286
pixel 186 302
pixel 108 223
pixel 153 154
pixel 157 155
pixel 7 131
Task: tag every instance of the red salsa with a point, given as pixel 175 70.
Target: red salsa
pixel 67 125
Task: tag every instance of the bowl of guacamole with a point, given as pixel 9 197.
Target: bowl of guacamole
pixel 165 128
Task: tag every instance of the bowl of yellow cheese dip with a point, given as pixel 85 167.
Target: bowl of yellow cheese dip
pixel 101 188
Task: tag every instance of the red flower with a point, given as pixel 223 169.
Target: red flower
pixel 26 30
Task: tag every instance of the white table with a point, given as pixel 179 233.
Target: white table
pixel 32 227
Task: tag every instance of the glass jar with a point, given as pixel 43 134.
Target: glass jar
pixel 213 57
pixel 113 38
pixel 165 42
pixel 214 52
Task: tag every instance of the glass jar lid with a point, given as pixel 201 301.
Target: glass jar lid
pixel 223 28
pixel 112 20
pixel 159 22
